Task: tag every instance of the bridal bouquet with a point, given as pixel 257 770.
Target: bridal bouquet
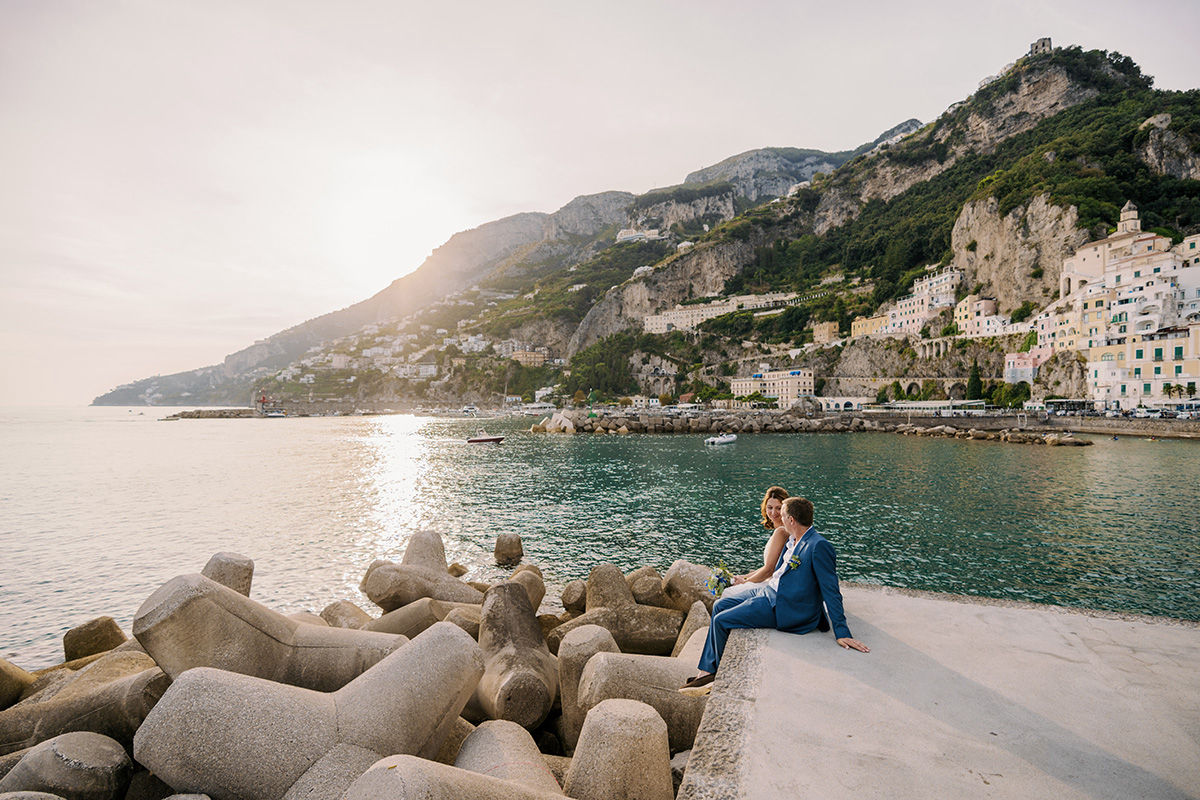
pixel 720 579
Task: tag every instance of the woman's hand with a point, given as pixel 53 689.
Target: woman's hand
pixel 738 579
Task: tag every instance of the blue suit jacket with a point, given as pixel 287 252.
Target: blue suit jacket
pixel 803 588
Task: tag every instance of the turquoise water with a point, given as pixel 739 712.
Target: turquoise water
pixel 99 506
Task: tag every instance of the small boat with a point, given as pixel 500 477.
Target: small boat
pixel 483 438
pixel 724 438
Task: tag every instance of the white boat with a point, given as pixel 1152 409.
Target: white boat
pixel 483 437
pixel 724 438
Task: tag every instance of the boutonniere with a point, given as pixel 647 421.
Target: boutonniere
pixel 794 561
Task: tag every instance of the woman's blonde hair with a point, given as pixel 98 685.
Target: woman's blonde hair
pixel 774 493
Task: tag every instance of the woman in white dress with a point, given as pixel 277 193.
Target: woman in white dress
pixel 771 508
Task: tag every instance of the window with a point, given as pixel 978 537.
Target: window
pixel 1122 388
pixel 1118 280
pixel 1158 354
pixel 1138 354
pixel 1137 273
pixel 1179 369
pixel 1178 353
pixel 1158 370
pixel 1158 269
pixel 1095 373
pixel 1145 388
pixel 1137 372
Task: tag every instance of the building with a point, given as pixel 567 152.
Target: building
pixel 1040 47
pixel 825 332
pixel 929 296
pixel 868 326
pixel 688 317
pixel 785 386
pixel 634 235
pixel 1020 367
pixel 529 358
pixel 976 316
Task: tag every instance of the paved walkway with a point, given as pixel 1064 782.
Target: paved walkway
pixel 955 699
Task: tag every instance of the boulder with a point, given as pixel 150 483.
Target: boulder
pixel 622 755
pixel 520 679
pixel 110 696
pixel 467 618
pixel 236 736
pixel 95 636
pixel 79 765
pixel 508 549
pixel 421 573
pixel 13 682
pixel 30 796
pixel 344 614
pixel 308 618
pixel 232 570
pixel 458 734
pixel 504 750
pixel 191 621
pixel 646 585
pixel 456 570
pixel 574 597
pixel 653 680
pixel 606 588
pixel 576 649
pixel 693 648
pixel 697 619
pixel 401 777
pixel 685 583
pixel 636 628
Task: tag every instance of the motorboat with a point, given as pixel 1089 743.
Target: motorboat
pixel 482 437
pixel 724 438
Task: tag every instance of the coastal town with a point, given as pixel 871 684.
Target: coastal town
pixel 1128 306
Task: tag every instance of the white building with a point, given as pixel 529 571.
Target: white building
pixel 785 386
pixel 688 317
pixel 928 298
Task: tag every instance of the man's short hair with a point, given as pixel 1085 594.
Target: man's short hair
pixel 799 509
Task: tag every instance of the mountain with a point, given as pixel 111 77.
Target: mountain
pixel 505 254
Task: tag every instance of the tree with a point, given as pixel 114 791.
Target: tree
pixel 974 383
pixel 625 402
pixel 579 398
pixel 1191 389
pixel 666 399
pixel 882 395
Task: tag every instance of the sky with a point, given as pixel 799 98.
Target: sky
pixel 179 178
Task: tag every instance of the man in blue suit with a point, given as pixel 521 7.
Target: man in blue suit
pixel 792 600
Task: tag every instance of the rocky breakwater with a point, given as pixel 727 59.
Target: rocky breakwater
pixel 1003 435
pixel 450 688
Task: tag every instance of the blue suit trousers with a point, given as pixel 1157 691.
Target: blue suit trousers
pixel 751 609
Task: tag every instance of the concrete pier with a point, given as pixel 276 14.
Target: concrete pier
pixel 957 698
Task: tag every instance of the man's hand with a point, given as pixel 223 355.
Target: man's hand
pixel 854 644
pixel 737 580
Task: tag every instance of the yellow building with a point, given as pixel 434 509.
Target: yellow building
pixel 529 358
pixel 785 386
pixel 867 326
pixel 1141 369
pixel 824 332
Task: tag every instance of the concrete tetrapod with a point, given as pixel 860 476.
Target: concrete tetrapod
pixel 94 636
pixel 622 755
pixel 233 570
pixel 13 681
pixel 697 619
pixel 685 583
pixel 576 649
pixel 520 681
pixel 192 621
pixel 112 696
pixel 653 680
pixel 502 749
pixel 407 777
pixel 415 617
pixel 79 765
pixel 421 573
pixel 610 604
pixel 236 737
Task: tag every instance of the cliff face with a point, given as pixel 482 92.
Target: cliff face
pixel 713 209
pixel 1168 153
pixel 862 366
pixel 1064 375
pixel 759 175
pixel 699 272
pixel 1000 254
pixel 1040 93
pixel 588 215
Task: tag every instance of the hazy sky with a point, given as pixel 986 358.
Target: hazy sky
pixel 178 179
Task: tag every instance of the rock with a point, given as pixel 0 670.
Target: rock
pixel 457 570
pixel 79 765
pixel 110 696
pixel 413 618
pixel 574 597
pixel 693 648
pixel 646 585
pixel 344 614
pixel 13 681
pixel 232 570
pixel 622 755
pixel 548 622
pixel 30 796
pixel 606 588
pixel 653 680
pixel 191 621
pixel 231 735
pixel 467 618
pixel 96 636
pixel 421 573
pixel 504 750
pixel 534 586
pixel 558 766
pixel 508 549
pixel 402 776
pixel 308 618
pixel 458 733
pixel 534 568
pixel 679 763
pixel 479 586
pixel 685 583
pixel 576 649
pixel 520 679
pixel 697 619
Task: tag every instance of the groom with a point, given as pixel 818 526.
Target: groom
pixel 791 600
